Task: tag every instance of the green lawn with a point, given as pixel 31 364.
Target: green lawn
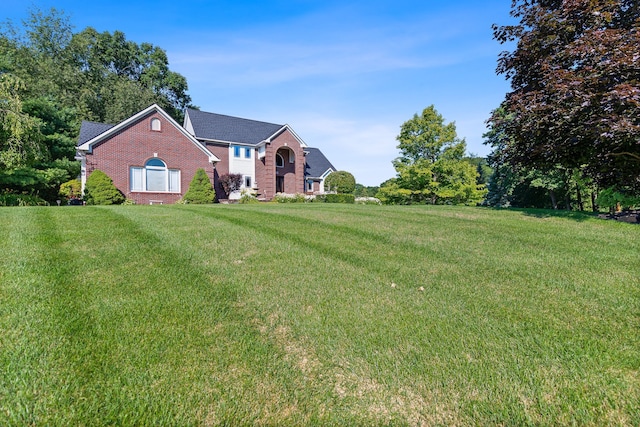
pixel 317 314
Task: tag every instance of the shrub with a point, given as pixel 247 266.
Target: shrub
pixel 341 182
pixel 290 198
pixel 610 198
pixel 200 189
pixel 230 182
pixel 247 197
pixel 367 201
pixel 99 190
pixel 11 199
pixel 71 189
pixel 340 198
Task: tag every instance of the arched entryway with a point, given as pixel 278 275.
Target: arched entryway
pixel 285 170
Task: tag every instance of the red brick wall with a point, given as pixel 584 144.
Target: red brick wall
pixel 293 173
pixel 134 145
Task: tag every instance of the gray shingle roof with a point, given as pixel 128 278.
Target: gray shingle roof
pixel 89 130
pixel 317 163
pixel 219 127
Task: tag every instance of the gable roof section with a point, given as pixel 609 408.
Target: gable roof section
pixel 229 129
pixel 89 130
pixel 317 165
pixel 92 133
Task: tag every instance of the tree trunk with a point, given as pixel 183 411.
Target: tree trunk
pixel 554 202
pixel 579 197
pixel 594 207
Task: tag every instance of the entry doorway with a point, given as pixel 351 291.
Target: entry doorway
pixel 279 184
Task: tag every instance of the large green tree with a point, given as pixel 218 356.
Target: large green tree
pixel 575 77
pixel 521 185
pixel 432 166
pixel 103 76
pixel 120 77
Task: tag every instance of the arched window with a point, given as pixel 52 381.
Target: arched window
pixel 279 161
pixel 156 177
pixel 155 125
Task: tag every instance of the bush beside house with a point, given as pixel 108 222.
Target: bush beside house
pixel 200 189
pixel 99 190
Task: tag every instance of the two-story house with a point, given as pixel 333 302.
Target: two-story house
pixel 152 159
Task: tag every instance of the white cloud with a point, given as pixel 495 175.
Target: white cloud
pixel 323 46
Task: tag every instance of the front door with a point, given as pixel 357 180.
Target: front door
pixel 279 184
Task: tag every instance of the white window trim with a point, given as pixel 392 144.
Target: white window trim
pixel 143 179
pixel 153 122
pixel 282 158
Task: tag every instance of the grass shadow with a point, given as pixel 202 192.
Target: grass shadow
pixel 552 213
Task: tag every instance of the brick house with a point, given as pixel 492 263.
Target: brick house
pixel 152 159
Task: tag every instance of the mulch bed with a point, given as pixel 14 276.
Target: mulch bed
pixel 632 217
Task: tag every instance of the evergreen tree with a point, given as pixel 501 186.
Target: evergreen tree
pixel 200 189
pixel 99 190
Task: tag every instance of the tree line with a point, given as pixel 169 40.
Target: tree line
pixel 570 127
pixel 568 133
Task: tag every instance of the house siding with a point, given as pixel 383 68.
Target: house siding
pixel 137 143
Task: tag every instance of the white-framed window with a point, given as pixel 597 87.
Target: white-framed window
pixel 309 185
pixel 156 125
pixel 279 160
pixel 155 177
pixel 247 153
pixel 236 151
pixel 247 181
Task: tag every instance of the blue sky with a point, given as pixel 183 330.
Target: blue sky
pixel 343 75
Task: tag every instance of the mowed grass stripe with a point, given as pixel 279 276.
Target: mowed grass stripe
pixel 27 349
pixel 125 338
pixel 237 374
pixel 517 323
pixel 520 314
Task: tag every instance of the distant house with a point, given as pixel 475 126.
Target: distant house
pixel 152 159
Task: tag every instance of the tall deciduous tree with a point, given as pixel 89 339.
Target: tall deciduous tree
pixel 103 76
pixel 121 77
pixel 431 167
pixel 575 76
pixel 20 138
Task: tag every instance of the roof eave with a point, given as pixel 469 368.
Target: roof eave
pixel 282 129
